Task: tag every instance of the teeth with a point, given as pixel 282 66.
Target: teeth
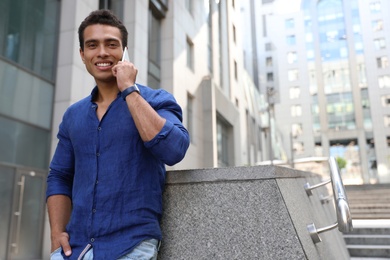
pixel 103 64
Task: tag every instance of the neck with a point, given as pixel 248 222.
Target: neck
pixel 107 92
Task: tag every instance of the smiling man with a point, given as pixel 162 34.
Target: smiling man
pixel 104 189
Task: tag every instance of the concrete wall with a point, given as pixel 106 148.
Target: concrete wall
pixel 246 213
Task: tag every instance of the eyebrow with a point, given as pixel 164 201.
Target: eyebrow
pixel 105 40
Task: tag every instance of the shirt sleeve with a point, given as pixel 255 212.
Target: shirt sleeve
pixel 60 178
pixel 171 143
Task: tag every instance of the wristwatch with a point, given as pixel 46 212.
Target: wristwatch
pixel 129 90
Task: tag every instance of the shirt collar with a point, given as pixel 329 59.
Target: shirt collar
pixel 95 92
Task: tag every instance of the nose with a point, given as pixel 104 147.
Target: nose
pixel 102 51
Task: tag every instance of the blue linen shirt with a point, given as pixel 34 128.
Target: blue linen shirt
pixel 114 179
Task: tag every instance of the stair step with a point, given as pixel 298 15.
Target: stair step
pixel 368 246
pixel 369 250
pixel 358 239
pixel 369 258
pixel 369 231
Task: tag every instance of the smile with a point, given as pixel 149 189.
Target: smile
pixel 103 64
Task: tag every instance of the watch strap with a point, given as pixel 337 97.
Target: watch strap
pixel 129 90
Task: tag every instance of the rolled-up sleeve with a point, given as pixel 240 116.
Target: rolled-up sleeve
pixel 60 178
pixel 171 144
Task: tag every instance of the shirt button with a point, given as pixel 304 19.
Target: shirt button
pixel 92 240
pixel 97 154
pixel 94 210
pixel 99 128
pixel 97 182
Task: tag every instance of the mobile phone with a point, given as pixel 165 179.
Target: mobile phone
pixel 125 55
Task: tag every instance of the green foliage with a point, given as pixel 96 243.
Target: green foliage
pixel 341 162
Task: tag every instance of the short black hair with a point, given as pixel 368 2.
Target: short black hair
pixel 105 17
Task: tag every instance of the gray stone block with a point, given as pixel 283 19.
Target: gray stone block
pixel 239 213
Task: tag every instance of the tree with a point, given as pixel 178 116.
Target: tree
pixel 341 162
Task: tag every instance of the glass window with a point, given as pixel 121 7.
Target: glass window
pixel 154 51
pixel 298 147
pixel 290 39
pixel 384 81
pixel 310 54
pixel 362 76
pixel 210 37
pixel 28 34
pixel 190 54
pixel 356 28
pixel 313 81
pixel 375 7
pixel 295 92
pixel 190 115
pixel 116 6
pixel 6 191
pixel 289 23
pixel 377 25
pixel 315 111
pixel 25 97
pixel 223 131
pixel 331 30
pixel 270 76
pixel 296 130
pixel 292 57
pixel 365 101
pixel 234 34
pixel 296 110
pixel 386 120
pixel 268 62
pixel 380 43
pixel 340 110
pixel 26 145
pixel 385 100
pixel 309 37
pixel 293 75
pixel 336 77
pixel 382 62
pixel 235 70
pixel 188 4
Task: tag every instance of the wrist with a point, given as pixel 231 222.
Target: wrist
pixel 129 90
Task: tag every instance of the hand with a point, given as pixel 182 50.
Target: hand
pixel 61 240
pixel 125 73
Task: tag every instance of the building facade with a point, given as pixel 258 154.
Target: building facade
pixel 28 51
pixel 329 65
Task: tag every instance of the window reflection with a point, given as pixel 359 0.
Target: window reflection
pixel 28 31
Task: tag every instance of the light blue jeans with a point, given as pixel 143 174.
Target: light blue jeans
pixel 147 250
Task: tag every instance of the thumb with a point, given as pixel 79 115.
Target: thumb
pixel 66 246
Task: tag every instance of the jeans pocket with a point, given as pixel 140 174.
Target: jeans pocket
pixel 56 254
pixel 147 249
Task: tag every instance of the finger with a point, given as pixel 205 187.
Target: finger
pixel 65 245
pixel 114 70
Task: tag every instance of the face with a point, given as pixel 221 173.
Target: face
pixel 102 50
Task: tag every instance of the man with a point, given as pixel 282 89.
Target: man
pixel 104 192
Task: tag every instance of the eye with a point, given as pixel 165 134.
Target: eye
pixel 113 45
pixel 91 45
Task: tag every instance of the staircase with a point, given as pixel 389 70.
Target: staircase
pixel 370 209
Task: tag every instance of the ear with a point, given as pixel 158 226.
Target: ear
pixel 82 55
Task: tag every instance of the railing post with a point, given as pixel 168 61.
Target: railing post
pixel 344 219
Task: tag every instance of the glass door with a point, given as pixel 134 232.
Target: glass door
pixel 27 216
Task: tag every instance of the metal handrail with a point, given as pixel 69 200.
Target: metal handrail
pixel 344 218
